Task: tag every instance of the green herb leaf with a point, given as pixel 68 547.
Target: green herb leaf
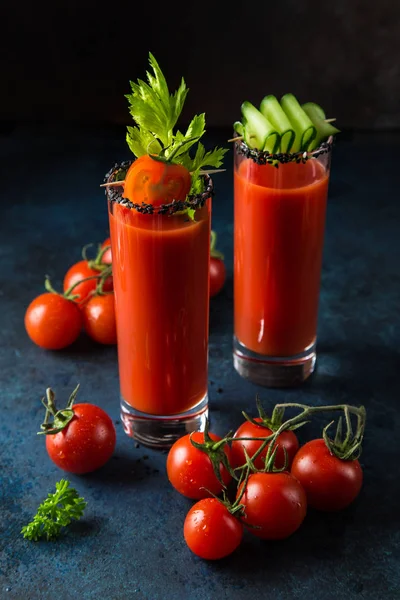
pixel 55 512
pixel 191 213
pixel 177 102
pixel 197 127
pixel 185 141
pixel 153 108
pixel 141 141
pixel 212 158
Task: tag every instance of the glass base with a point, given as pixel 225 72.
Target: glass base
pixel 273 371
pixel 159 431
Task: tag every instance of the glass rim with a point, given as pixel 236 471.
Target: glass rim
pixel 262 157
pixel 193 201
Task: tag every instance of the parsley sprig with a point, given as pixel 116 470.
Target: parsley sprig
pixel 55 512
pixel 156 113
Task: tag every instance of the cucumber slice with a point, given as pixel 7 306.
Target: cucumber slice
pixel 304 128
pixel 315 108
pixel 272 110
pixel 259 133
pixel 273 142
pixel 317 116
pixel 238 127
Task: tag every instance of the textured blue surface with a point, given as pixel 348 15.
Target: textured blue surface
pixel 130 542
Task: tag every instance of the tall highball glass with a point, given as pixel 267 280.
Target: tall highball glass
pixel 279 223
pixel 161 283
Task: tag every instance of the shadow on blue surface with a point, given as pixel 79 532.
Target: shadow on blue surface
pixel 124 470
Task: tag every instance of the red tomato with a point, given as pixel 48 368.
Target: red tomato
pixel 86 443
pixel 286 439
pixel 211 531
pixel 275 503
pixel 107 256
pixel 190 470
pixel 52 321
pixel 156 182
pixel 79 271
pixel 99 319
pixel 330 483
pixel 217 275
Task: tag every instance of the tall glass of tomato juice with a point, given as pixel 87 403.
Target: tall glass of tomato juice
pixel 161 285
pixel 279 222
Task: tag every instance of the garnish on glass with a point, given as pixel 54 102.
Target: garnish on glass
pixel 169 165
pixel 283 128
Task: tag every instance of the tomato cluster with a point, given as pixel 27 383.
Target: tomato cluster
pixel 55 320
pixel 265 481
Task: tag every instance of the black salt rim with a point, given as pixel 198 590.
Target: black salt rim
pixel 193 201
pixel 263 157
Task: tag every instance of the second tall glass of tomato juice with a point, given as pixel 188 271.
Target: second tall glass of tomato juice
pixel 161 284
pixel 279 222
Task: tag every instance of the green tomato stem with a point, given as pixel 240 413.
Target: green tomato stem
pixel 346 450
pixel 99 291
pixel 68 293
pixel 214 253
pixel 61 418
pixel 97 263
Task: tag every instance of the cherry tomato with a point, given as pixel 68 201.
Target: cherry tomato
pixel 217 276
pixel 86 443
pixel 275 503
pixel 286 440
pixel 107 256
pixel 330 483
pixel 99 319
pixel 211 531
pixel 156 182
pixel 79 271
pixel 52 321
pixel 190 470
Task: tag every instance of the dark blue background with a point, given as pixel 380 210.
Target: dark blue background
pixel 129 543
pixel 72 60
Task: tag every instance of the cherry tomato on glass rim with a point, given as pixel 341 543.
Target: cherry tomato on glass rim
pixel 99 318
pixel 330 482
pixel 53 321
pixel 275 504
pixel 154 180
pixel 217 267
pixel 190 470
pixel 81 437
pixel 211 531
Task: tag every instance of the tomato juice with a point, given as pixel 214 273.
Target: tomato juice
pixel 161 283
